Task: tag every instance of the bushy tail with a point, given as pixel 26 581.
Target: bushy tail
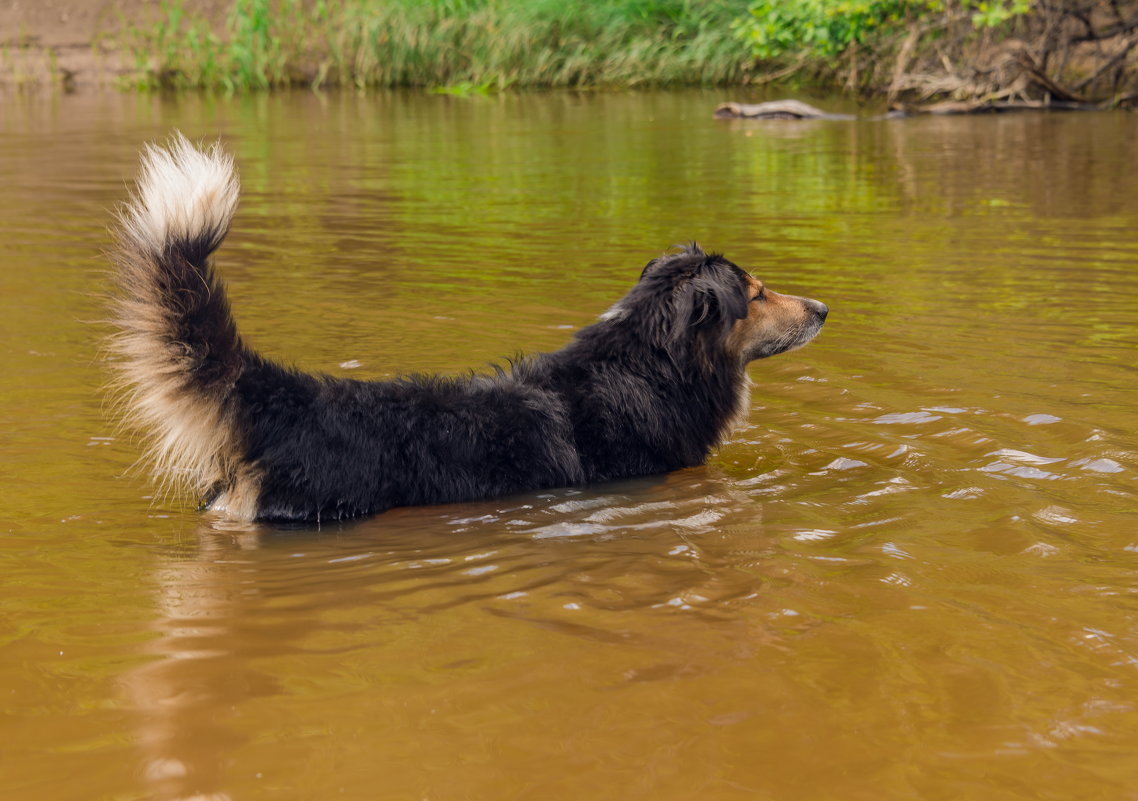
pixel 177 351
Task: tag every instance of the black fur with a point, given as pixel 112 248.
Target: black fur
pixel 648 391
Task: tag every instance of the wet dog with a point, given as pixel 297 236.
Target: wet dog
pixel 650 387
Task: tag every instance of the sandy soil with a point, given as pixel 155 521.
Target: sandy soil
pixel 78 43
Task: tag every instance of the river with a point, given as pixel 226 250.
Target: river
pixel 913 573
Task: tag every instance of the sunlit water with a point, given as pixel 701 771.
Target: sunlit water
pixel 913 574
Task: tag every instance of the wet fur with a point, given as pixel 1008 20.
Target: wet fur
pixel 651 387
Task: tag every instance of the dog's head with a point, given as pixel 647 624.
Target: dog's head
pixel 699 306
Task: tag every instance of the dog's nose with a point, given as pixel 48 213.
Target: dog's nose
pixel 819 308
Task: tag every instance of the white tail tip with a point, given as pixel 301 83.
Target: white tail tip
pixel 184 193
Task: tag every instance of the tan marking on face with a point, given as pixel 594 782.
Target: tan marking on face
pixel 775 324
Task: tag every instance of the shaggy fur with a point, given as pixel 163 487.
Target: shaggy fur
pixel 650 387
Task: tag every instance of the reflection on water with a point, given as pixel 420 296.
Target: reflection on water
pixel 912 574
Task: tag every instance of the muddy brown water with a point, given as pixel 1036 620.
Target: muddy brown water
pixel 912 574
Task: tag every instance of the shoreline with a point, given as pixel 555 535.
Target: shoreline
pixel 217 45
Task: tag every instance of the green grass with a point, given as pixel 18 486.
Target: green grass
pixel 467 45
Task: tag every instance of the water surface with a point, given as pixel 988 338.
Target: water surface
pixel 912 574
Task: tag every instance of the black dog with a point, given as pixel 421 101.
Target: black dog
pixel 650 387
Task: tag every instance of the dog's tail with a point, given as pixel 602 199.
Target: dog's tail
pixel 178 354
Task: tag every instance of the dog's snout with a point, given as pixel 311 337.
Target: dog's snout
pixel 819 308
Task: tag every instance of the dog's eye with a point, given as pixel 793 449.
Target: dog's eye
pixel 762 296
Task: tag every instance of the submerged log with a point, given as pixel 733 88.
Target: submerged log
pixel 982 107
pixel 776 110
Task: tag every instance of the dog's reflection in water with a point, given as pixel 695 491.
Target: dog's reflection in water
pixel 187 694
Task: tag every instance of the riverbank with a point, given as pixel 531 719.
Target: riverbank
pixel 52 42
pixel 239 45
pixel 1074 51
pixel 81 44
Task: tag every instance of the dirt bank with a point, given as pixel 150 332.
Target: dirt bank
pixel 75 43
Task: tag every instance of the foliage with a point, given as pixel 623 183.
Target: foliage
pixel 992 15
pixel 445 43
pixel 776 29
pixel 823 27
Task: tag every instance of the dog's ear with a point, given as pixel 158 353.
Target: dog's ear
pixel 707 305
pixel 687 302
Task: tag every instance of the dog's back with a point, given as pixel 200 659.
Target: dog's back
pixel 334 448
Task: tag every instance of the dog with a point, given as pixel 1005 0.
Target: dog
pixel 650 387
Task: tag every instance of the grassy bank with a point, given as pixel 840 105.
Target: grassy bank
pixel 980 50
pixel 460 44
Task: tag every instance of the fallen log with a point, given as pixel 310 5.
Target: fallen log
pixel 775 110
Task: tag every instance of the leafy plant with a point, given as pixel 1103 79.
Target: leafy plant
pixel 821 27
pixel 777 30
pixel 992 15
